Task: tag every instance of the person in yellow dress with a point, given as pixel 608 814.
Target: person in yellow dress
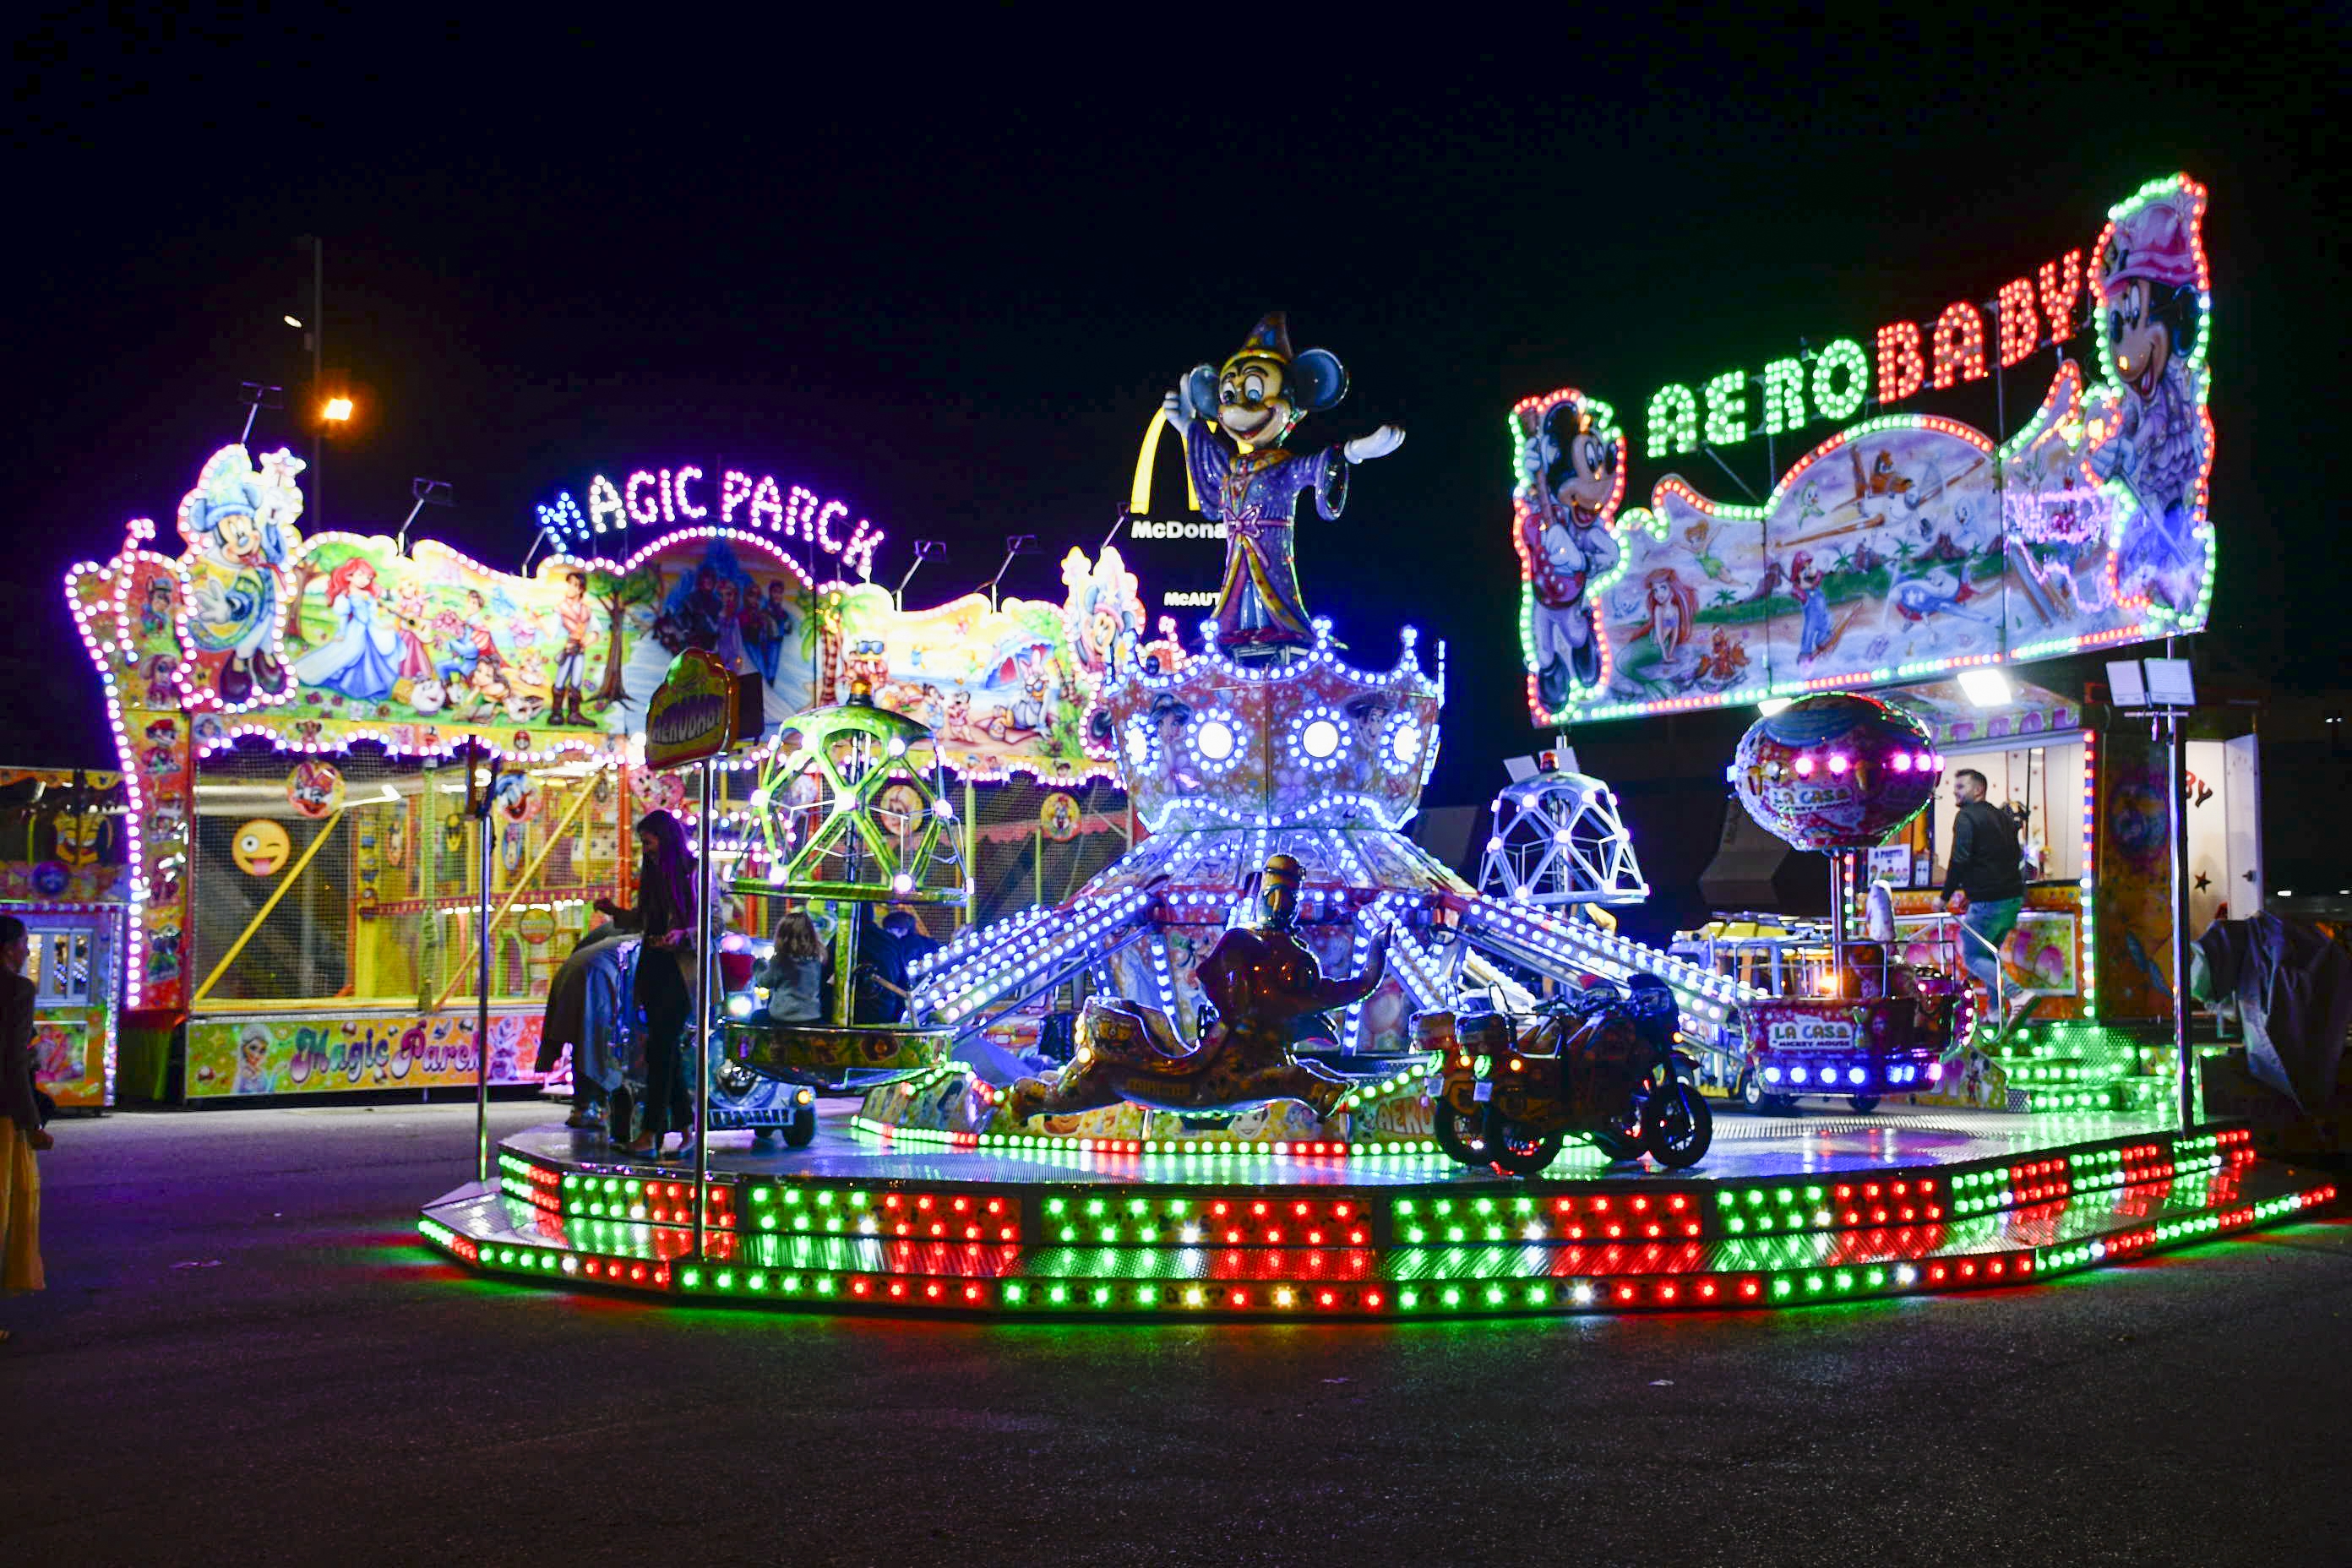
pixel 20 1120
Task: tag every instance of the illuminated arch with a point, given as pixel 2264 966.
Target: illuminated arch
pixel 1138 494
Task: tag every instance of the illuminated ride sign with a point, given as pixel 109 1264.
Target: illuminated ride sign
pixel 1909 542
pixel 683 497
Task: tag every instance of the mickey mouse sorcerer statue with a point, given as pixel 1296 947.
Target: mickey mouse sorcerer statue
pixel 1233 421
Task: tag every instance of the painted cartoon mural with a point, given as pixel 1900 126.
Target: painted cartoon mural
pixel 256 629
pixel 1903 545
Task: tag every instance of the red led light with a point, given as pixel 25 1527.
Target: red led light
pixel 2058 282
pixel 1901 368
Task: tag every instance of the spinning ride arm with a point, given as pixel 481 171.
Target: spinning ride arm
pixel 1564 951
pixel 984 974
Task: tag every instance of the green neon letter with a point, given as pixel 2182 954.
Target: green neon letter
pixel 1674 421
pixel 1726 409
pixel 1842 362
pixel 1784 396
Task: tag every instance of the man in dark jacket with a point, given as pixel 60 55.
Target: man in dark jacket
pixel 1984 885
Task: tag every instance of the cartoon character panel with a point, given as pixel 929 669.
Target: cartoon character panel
pixel 255 628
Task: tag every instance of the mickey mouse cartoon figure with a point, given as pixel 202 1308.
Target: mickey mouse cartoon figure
pixel 1234 420
pixel 1572 467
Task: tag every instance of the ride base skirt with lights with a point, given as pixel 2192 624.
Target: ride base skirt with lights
pixel 1781 1215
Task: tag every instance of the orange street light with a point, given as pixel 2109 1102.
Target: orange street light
pixel 338 410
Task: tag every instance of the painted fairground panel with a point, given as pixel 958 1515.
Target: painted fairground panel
pixel 65 870
pixel 2042 956
pixel 324 640
pixel 235 1057
pixel 2060 504
pixel 2133 881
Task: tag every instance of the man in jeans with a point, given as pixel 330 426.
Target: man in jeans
pixel 1985 886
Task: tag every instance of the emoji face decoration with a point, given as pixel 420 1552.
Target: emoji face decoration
pixel 260 847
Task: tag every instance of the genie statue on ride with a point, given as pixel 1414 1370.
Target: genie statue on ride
pixel 1260 978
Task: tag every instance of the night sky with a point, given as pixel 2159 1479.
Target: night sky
pixel 951 290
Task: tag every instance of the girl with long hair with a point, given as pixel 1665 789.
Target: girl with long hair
pixel 668 963
pixel 793 973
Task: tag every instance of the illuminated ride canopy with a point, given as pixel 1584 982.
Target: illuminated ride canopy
pixel 1905 544
pixel 1229 763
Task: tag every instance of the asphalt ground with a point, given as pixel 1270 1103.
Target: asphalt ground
pixel 245 1357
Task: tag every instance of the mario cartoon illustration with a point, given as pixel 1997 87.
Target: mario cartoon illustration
pixel 1234 420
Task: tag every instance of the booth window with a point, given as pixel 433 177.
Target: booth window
pixel 374 899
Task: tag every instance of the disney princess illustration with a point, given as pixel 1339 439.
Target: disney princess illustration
pixel 1673 611
pixel 2154 319
pixel 370 649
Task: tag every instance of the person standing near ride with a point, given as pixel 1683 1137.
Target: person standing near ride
pixel 668 963
pixel 885 960
pixel 1985 886
pixel 20 1120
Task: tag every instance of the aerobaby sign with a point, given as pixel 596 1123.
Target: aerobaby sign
pixel 2006 478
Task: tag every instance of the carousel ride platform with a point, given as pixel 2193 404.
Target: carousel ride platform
pixel 1918 1201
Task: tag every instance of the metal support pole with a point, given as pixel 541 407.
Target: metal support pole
pixel 970 853
pixel 2176 791
pixel 1837 919
pixel 485 842
pixel 317 518
pixel 703 976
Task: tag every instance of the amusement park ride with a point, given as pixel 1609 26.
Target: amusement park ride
pixel 1314 1071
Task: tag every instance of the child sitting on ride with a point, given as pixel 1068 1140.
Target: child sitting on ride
pixel 794 974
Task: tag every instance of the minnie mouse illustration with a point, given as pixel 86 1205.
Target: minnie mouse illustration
pixel 2150 278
